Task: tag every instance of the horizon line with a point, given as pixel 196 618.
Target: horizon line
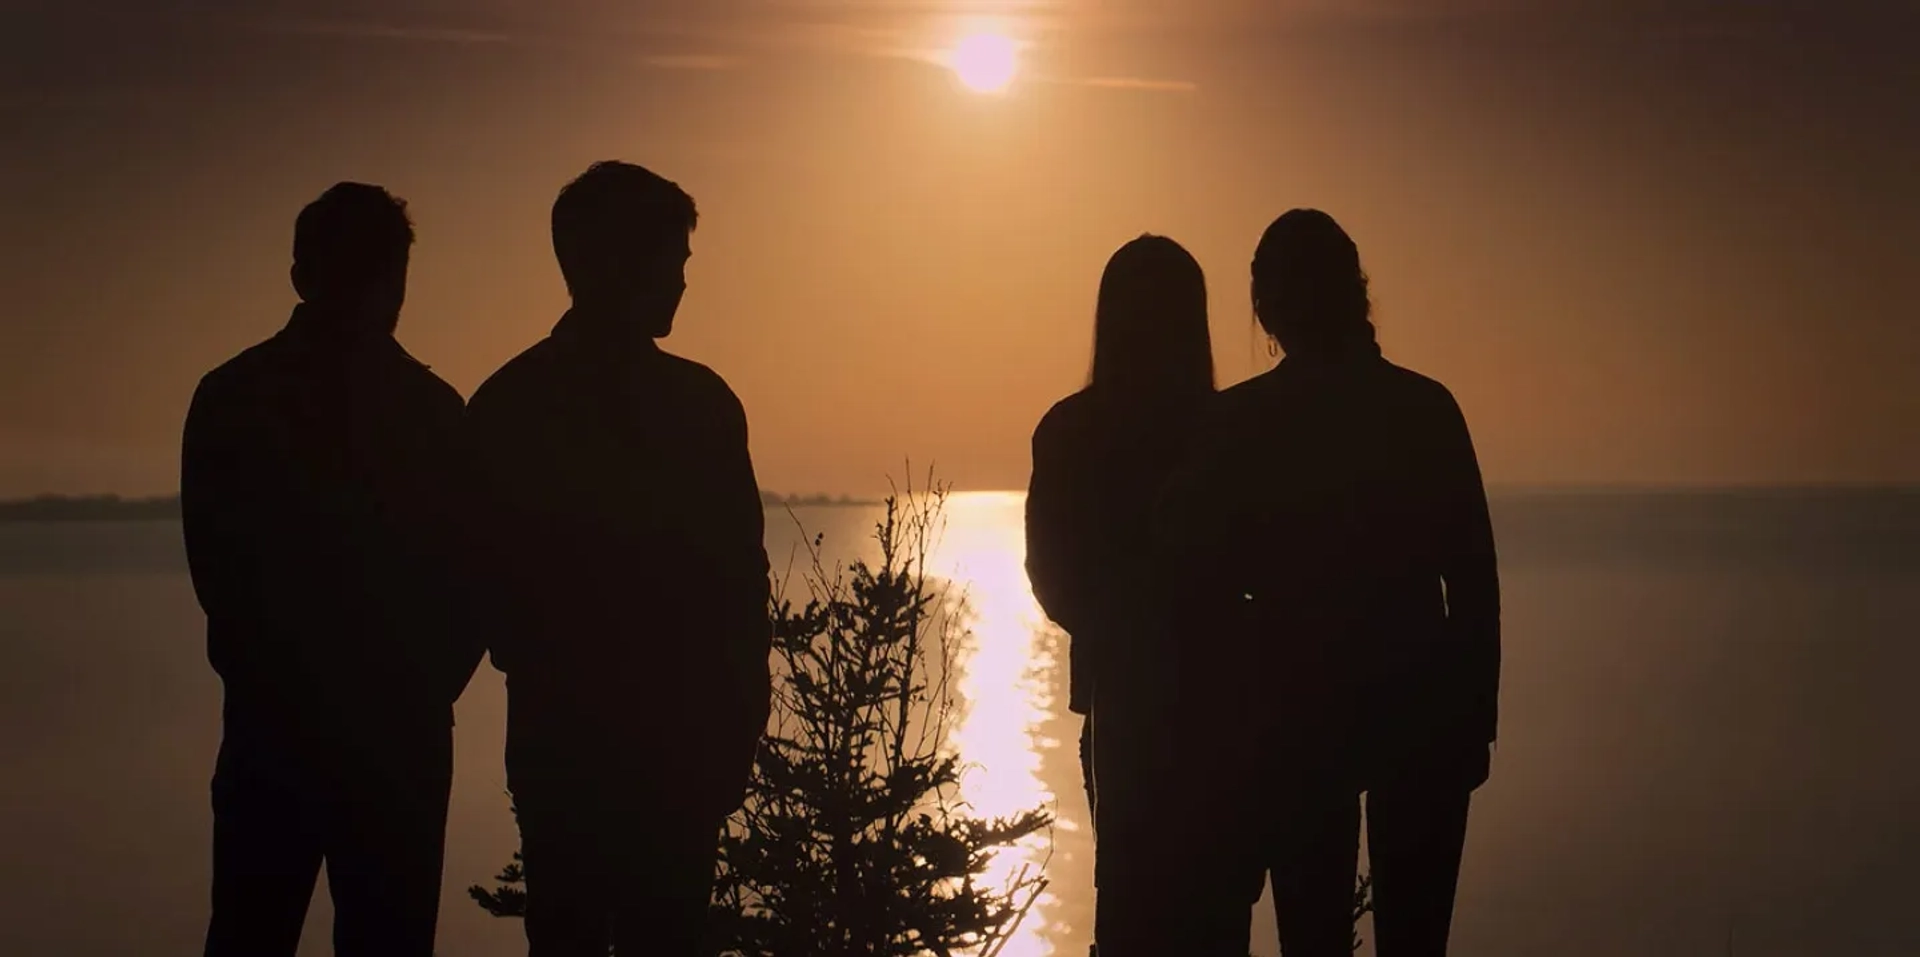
pixel 1567 487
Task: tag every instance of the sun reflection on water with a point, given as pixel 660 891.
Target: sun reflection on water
pixel 1004 691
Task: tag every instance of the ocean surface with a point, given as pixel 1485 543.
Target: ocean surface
pixel 1710 730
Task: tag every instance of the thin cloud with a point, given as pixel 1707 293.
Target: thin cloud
pixel 989 8
pixel 1138 83
pixel 382 31
pixel 692 61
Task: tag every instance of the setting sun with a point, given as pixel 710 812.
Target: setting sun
pixel 985 62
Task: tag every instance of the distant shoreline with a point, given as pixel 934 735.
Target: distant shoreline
pixel 165 508
pixel 91 508
pixel 776 500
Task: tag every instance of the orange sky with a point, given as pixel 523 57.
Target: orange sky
pixel 1669 246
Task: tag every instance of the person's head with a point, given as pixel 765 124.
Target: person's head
pixel 1150 325
pixel 622 234
pixel 350 252
pixel 1309 291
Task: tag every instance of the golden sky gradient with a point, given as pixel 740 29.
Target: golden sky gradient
pixel 1643 243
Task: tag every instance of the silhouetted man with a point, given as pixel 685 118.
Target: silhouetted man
pixel 629 586
pixel 320 485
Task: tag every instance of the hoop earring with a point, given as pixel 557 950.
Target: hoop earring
pixel 1273 348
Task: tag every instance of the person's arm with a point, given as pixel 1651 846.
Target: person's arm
pixel 460 517
pixel 1050 530
pixel 220 514
pixel 505 552
pixel 1055 562
pixel 1470 569
pixel 735 549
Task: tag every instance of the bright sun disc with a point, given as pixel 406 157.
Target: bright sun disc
pixel 985 62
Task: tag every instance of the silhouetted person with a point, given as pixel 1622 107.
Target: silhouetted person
pixel 629 585
pixel 321 483
pixel 1100 459
pixel 1337 508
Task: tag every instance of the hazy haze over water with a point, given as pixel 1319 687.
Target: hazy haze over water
pixel 1707 723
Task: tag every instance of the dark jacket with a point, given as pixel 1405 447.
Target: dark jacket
pixel 1335 511
pixel 322 488
pixel 1100 461
pixel 626 574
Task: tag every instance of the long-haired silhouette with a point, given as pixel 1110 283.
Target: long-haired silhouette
pixel 322 495
pixel 1100 457
pixel 1334 516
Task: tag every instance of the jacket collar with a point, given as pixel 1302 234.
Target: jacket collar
pixel 602 333
pixel 1356 356
pixel 314 327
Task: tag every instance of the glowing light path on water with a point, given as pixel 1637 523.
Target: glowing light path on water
pixel 1002 683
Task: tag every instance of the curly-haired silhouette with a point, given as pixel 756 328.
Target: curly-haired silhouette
pixel 1100 457
pixel 320 491
pixel 627 583
pixel 1334 510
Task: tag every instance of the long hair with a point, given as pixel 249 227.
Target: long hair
pixel 1309 291
pixel 1150 326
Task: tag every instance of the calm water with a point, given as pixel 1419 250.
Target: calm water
pixel 1709 724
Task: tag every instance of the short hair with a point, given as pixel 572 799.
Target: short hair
pixel 351 237
pixel 616 209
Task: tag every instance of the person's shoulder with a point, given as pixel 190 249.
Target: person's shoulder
pixel 425 385
pixel 441 392
pixel 237 378
pixel 1243 391
pixel 1067 415
pixel 510 384
pixel 1091 419
pixel 1419 387
pixel 698 384
pixel 690 374
pixel 1241 398
pixel 1413 381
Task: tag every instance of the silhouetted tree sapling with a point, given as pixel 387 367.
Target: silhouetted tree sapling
pixel 853 840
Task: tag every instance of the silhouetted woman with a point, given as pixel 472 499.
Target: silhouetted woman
pixel 1334 511
pixel 1100 458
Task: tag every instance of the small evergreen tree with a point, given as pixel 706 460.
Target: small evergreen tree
pixel 853 840
pixel 1362 906
pixel 509 899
